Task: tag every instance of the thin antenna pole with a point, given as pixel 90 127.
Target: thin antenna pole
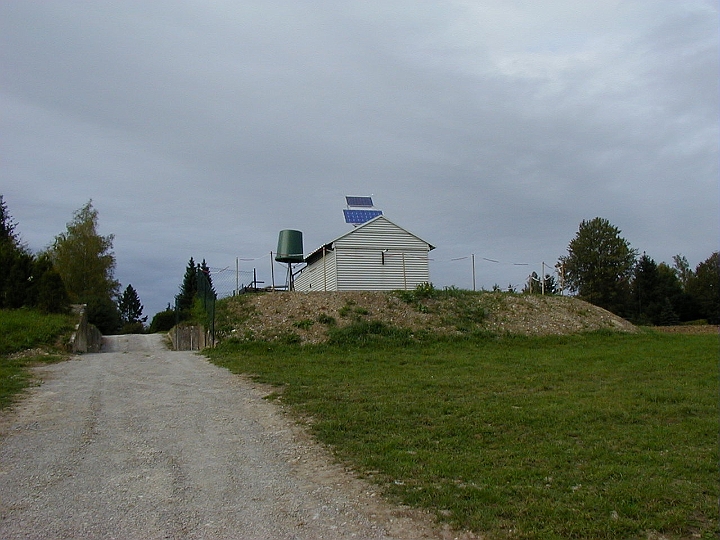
pixel 473 270
pixel 272 271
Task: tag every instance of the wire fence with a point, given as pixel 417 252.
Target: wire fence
pixel 263 272
pixel 255 273
pixel 539 273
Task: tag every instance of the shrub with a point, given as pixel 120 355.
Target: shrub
pixel 326 319
pixel 305 324
pixel 132 328
pixel 162 321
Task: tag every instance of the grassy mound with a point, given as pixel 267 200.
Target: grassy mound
pixel 28 338
pixel 318 316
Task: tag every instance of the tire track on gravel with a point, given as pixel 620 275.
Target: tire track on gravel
pixel 142 442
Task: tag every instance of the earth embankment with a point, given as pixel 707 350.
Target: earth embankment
pixel 310 316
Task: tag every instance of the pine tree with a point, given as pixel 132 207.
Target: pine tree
pixel 15 263
pixel 668 317
pixel 188 289
pixel 647 303
pixel 7 225
pixel 705 288
pixel 206 271
pixel 205 286
pixel 130 307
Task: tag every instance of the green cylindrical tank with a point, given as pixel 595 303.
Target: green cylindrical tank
pixel 290 247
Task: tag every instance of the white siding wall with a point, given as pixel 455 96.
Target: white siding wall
pixel 320 276
pixel 363 269
pixel 379 256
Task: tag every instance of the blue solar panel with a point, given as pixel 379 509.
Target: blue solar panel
pixel 363 202
pixel 356 217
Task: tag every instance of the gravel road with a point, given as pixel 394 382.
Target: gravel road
pixel 141 442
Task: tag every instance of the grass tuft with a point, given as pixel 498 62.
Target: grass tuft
pixel 363 332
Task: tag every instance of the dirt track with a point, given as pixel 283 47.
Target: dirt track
pixel 142 442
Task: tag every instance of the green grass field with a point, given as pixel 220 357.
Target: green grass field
pixel 591 436
pixel 21 330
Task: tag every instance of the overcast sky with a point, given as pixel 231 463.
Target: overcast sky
pixel 486 127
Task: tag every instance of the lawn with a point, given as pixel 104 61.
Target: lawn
pixel 590 436
pixel 23 330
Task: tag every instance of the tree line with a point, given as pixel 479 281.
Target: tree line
pixel 76 268
pixel 195 300
pixel 602 268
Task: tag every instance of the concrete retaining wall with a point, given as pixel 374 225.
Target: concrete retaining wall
pixel 86 337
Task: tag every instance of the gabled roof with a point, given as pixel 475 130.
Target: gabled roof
pixel 329 246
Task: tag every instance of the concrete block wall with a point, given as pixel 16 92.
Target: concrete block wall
pixel 86 337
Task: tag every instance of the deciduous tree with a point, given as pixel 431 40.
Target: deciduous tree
pixel 683 270
pixel 86 263
pixel 599 265
pixel 84 259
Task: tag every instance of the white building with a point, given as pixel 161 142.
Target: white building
pixel 375 256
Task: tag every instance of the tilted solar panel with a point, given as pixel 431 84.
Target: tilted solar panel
pixel 363 202
pixel 357 217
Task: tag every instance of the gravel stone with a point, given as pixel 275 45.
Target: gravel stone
pixel 141 442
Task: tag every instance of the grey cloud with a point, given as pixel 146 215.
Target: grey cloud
pixel 203 130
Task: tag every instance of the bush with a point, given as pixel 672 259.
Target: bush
pixel 304 324
pixel 133 328
pixel 51 294
pixel 162 321
pixel 103 313
pixel 421 292
pixel 326 319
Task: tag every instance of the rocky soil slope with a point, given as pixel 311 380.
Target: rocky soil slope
pixel 308 317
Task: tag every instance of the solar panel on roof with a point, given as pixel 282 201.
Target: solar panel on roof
pixel 357 217
pixel 364 202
